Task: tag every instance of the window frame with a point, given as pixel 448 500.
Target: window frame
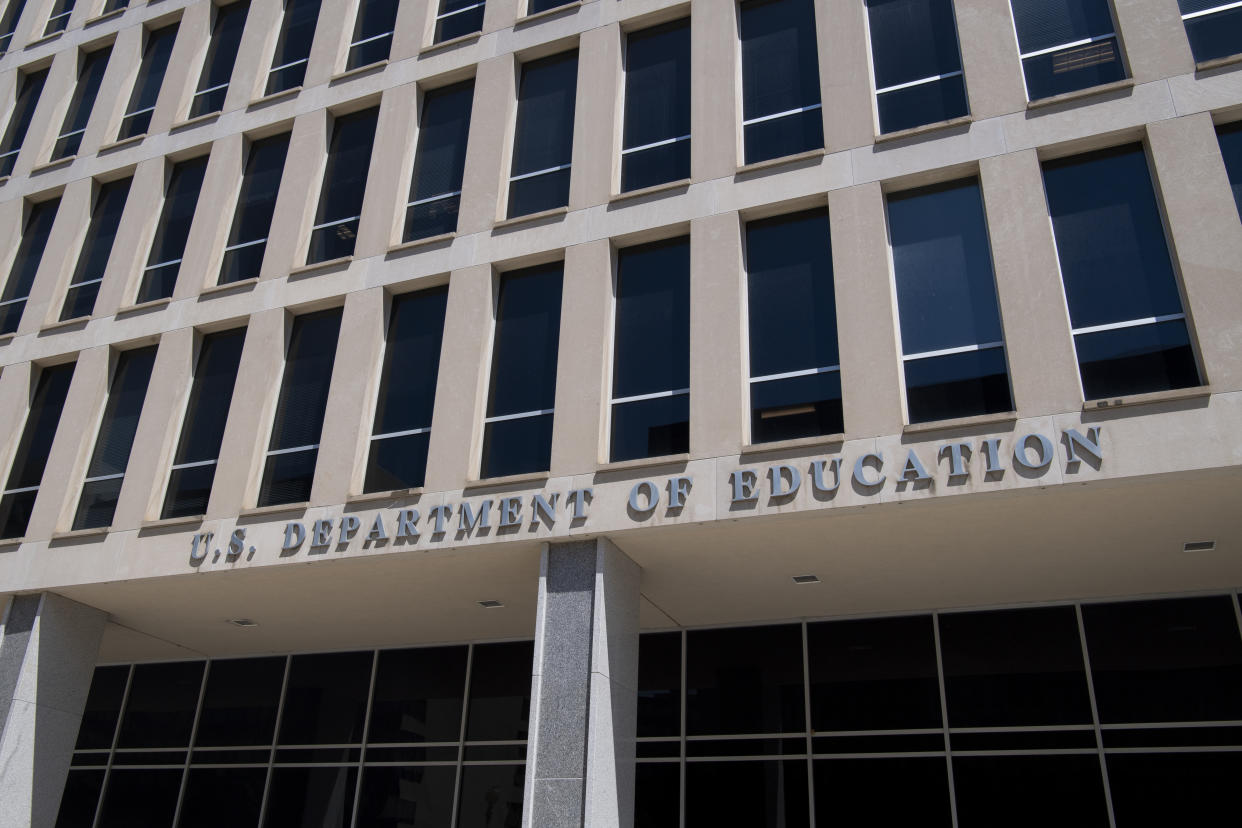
pixel 248 150
pixel 170 173
pixel 84 56
pixel 334 119
pixel 644 26
pixel 54 16
pixel 521 64
pixel 146 69
pixel 209 54
pixel 440 15
pixel 1023 57
pixel 1229 5
pixel 408 203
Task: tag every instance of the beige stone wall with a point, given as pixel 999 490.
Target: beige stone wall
pixel 1168 107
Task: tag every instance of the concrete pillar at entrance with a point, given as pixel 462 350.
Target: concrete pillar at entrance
pixel 580 767
pixel 48 648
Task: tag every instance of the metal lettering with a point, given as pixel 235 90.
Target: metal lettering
pixel 959 453
pixel 1045 452
pixel 510 511
pixel 860 466
pixel 377 532
pixel 441 513
pixel 295 533
pixel 580 498
pixel 202 542
pixel 991 454
pixel 817 475
pixel 777 473
pixel 237 542
pixel 406 518
pixel 321 533
pixel 545 507
pixel 678 491
pixel 468 521
pixel 653 496
pixel 349 528
pixel 1075 441
pixel 744 481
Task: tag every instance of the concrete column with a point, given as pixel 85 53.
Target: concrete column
pixel 298 197
pixel 114 91
pixel 29 27
pixel 213 217
pixel 866 320
pixel 1154 38
pixel 12 227
pixel 580 761
pixel 717 399
pixel 133 238
pixel 596 151
pixel 487 151
pixel 582 365
pixel 16 388
pixel 1043 370
pixel 461 392
pixel 159 427
pixel 388 186
pixel 715 113
pixel 342 458
pixel 242 451
pixel 184 66
pixel 47 657
pixel 1207 239
pixel 333 35
pixel 410 32
pixel 844 80
pixel 59 257
pixel 501 14
pixel 990 61
pixel 49 114
pixel 254 53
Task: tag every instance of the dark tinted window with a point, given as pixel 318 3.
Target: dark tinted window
pixel 1214 28
pixel 458 18
pixel 1230 138
pixel 80 798
pixel 326 699
pixel 491 795
pixel 96 249
pixel 318 796
pixel 780 79
pixel 344 185
pixel 29 89
pixel 946 297
pixel 882 791
pixel 439 161
pixel 758 794
pixel 524 352
pixel 26 263
pixel 106 471
pixel 651 366
pixel 80 105
pixel 419 695
pixel 398 797
pixel 222 796
pixel 544 135
pixel 26 473
pixel 659 684
pixel 656 143
pixel 159 710
pixel 297 30
pixel 746 680
pixel 372 33
pixel 1066 45
pixel 793 328
pixel 147 86
pixel 915 41
pixel 300 410
pixel 213 83
pixel 1174 788
pixel 1052 789
pixel 103 708
pixel 58 18
pixel 239 702
pixel 536 6
pixel 1116 268
pixel 194 464
pixel 140 797
pixel 160 276
pixel 500 677
pixel 8 23
pixel 402 430
pixel 252 219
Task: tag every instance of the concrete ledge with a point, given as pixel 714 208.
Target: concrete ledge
pixel 795 443
pixel 238 286
pixel 8 543
pixel 1217 63
pixel 124 142
pixel 1149 398
pixel 542 214
pixel 198 120
pixel 153 304
pixel 53 327
pixel 644 462
pixel 391 494
pixel 923 129
pixel 449 44
pixel 161 523
pixel 52 165
pixel 680 184
pixel 259 511
pixel 47 38
pixel 417 243
pixel 6 338
pixel 507 480
pixel 348 74
pixel 961 422
pixel 108 16
pixel 537 16
pixel 100 533
pixel 327 264
pixel 777 162
pixel 263 100
pixel 1081 94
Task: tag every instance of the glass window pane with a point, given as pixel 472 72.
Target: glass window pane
pixel 1068 70
pixel 159 710
pixel 746 680
pixel 173 230
pixel 255 203
pixel 912 40
pixel 103 707
pixel 657 104
pixel 927 103
pixel 397 462
pixel 1230 138
pixel 411 361
pixel 297 30
pixel 439 161
pixel 80 105
pixel 96 249
pixel 372 32
pixel 657 795
pixel 877 674
pixel 1215 36
pixel 239 704
pixel 213 83
pixel 659 684
pixel 32 452
pixel 958 385
pixel 1014 667
pixel 882 791
pixel 491 796
pixel 140 797
pixel 761 794
pixel 651 428
pixel 544 132
pixel 321 796
pixel 29 90
pixel 418 695
pixel 1042 24
pixel 409 797
pixel 1165 661
pixel 780 73
pixel 1051 790
pixel 655 165
pixel 287 478
pixel 499 708
pixel 222 796
pixel 1174 788
pixel 528 324
pixel 786 135
pixel 1136 360
pixel 536 6
pixel 517 446
pixel 344 186
pixel 80 798
pixel 147 86
pixel 804 406
pixel 326 699
pixel 26 263
pixel 652 351
pixel 8 23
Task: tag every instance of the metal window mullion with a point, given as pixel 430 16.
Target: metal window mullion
pixel 407 433
pixel 805 372
pixel 539 172
pixel 101 477
pixel 366 730
pixel 271 759
pixel 240 245
pixel 656 395
pixel 209 89
pixel 681 758
pixel 787 113
pixel 1083 42
pixel 10 152
pixel 1206 12
pixel 920 82
pixel 163 264
pixel 443 15
pixel 335 222
pixel 87 282
pixel 287 65
pixel 116 735
pixel 370 39
pixel 139 112
pixel 461 735
pixel 14 301
pixel 944 717
pixel 806 705
pixel 523 415
pixel 22 490
pixel 1095 713
pixel 295 449
pixel 64 135
pixel 962 349
pixel 196 464
pixel 1130 323
pixel 189 750
pixel 430 199
pixel 654 144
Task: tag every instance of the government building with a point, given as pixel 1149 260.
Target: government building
pixel 620 413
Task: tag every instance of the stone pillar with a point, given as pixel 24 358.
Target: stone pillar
pixel 596 150
pixel 715 117
pixel 487 149
pixel 47 656
pixel 1154 39
pixel 718 401
pixel 580 764
pixel 844 79
pixel 990 61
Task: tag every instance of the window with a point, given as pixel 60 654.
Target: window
pixel 297 30
pixel 458 18
pixel 38 229
pixel 372 33
pixel 517 433
pixel 544 136
pixel 8 23
pixel 651 358
pixel 1230 138
pixel 1066 45
pixel 407 393
pixel 1213 27
pixel 1124 304
pixel 59 17
pixel 96 250
pixel 243 256
pixel 106 472
pixel 344 185
pixel 294 445
pixel 780 79
pixel 114 5
pixel 26 474
pixel 89 79
pixel 198 452
pixel 29 89
pixel 147 86
pixel 952 345
pixel 164 263
pixel 917 70
pixel 537 6
pixel 439 161
pixel 795 376
pixel 213 83
pixel 656 143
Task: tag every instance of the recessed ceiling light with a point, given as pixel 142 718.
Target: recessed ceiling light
pixel 1198 546
pixel 806 579
pixel 243 622
pixel 490 604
